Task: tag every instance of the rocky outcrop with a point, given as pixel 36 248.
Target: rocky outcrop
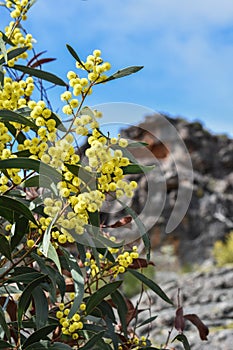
pixel 206 294
pixel 209 215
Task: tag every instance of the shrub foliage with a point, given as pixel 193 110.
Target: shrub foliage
pixel 60 268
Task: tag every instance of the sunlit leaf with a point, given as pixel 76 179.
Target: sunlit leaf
pixel 52 255
pixel 151 284
pixel 3 49
pixel 40 74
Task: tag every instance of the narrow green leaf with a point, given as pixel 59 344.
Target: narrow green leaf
pixel 16 206
pixel 5 345
pixel 10 116
pixel 137 169
pixel 123 73
pixel 4 324
pixel 58 121
pixel 45 246
pixel 5 248
pixel 21 230
pixel 40 74
pixel 39 335
pixel 19 136
pixel 122 309
pixel 78 279
pixel 25 277
pixel 1 78
pixel 100 294
pixel 31 164
pixel 26 295
pixel 90 345
pixel 137 144
pixel 183 339
pixel 52 255
pixel 149 320
pixel 13 53
pixel 75 55
pixel 5 38
pixel 151 284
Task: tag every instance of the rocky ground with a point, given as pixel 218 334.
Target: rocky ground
pixel 207 293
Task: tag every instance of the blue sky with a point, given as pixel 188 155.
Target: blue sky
pixel 186 48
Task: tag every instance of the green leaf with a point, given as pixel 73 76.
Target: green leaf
pixel 5 345
pixel 26 295
pixel 151 284
pixel 39 335
pixel 1 78
pixel 75 55
pixel 90 345
pixel 31 164
pixel 137 144
pixel 149 320
pixel 3 49
pixel 25 277
pixel 21 229
pixel 10 116
pixel 100 294
pixel 5 248
pixel 137 169
pixel 78 279
pixel 19 136
pixel 4 324
pixel 142 229
pixel 58 121
pixel 16 206
pixel 40 74
pixel 5 38
pixel 45 246
pixel 46 345
pixel 123 73
pixel 122 309
pixel 183 339
pixel 13 53
pixel 52 255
